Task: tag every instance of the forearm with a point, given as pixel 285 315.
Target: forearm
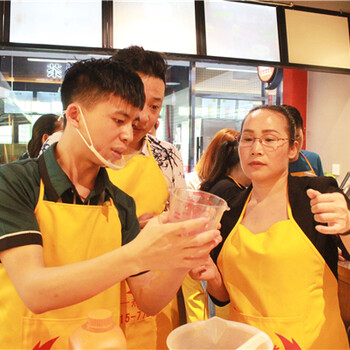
pixel 217 289
pixel 157 290
pixel 47 288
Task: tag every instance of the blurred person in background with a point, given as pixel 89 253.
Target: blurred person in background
pixel 213 169
pixel 305 162
pixel 152 168
pixel 220 168
pixel 44 126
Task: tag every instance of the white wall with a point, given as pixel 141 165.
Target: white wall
pixel 328 120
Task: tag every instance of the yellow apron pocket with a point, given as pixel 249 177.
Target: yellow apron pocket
pixel 284 331
pixel 36 332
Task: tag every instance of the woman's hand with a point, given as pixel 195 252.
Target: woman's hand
pixel 330 209
pixel 340 255
pixel 205 272
pixel 144 218
pixel 215 285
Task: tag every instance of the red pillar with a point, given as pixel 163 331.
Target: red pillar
pixel 295 90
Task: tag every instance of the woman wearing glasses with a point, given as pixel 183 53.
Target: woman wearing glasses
pixel 277 264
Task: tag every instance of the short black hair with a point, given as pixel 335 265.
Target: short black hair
pixel 294 112
pixel 93 79
pixel 150 63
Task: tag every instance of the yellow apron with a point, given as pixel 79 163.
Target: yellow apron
pixel 307 172
pixel 224 311
pixel 71 233
pixel 142 179
pixel 279 282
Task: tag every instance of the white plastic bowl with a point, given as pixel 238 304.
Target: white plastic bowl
pixel 217 333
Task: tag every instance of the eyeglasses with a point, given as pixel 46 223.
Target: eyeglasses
pixel 268 141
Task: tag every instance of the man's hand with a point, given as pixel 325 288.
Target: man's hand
pixel 330 209
pixel 164 245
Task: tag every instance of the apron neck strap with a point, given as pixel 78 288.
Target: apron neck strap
pixel 50 192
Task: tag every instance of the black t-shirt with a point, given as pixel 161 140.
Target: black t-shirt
pixel 226 188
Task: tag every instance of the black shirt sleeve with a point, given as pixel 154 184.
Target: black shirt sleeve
pixel 301 209
pixel 19 192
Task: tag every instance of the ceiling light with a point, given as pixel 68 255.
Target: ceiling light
pixel 232 70
pixel 50 60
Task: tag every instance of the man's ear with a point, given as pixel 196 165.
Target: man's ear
pixel 73 115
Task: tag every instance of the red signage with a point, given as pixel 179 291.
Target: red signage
pixel 265 73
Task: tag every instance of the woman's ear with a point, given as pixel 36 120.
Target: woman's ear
pixel 44 138
pixel 293 151
pixel 73 115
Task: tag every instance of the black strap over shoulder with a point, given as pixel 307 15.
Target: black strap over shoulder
pixel 181 307
pixel 50 192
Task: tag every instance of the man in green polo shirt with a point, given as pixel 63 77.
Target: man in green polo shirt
pixel 68 236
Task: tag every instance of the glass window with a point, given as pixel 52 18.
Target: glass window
pixel 224 95
pixel 200 99
pixel 241 30
pixel 175 115
pixel 166 26
pixel 29 87
pixel 57 22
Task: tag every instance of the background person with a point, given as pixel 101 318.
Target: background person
pixel 151 67
pixel 278 258
pixel 155 167
pixel 210 168
pixel 55 137
pixel 44 126
pixel 204 166
pixel 68 236
pixel 305 162
pixel 224 175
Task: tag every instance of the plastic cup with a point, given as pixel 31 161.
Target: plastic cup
pixel 186 204
pixel 217 333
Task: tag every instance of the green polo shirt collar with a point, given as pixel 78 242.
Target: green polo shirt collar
pixel 61 183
